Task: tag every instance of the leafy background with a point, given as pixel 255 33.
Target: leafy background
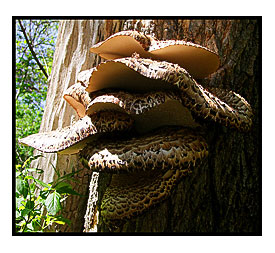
pixel 31 81
pixel 38 204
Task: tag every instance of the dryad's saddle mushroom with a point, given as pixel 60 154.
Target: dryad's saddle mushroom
pixel 146 88
pixel 198 61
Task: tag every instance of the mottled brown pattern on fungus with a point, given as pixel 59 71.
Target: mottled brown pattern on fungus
pixel 200 101
pixel 178 149
pixel 58 140
pixel 131 103
pixel 166 148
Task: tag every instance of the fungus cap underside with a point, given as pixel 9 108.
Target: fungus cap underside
pixel 197 60
pixel 116 75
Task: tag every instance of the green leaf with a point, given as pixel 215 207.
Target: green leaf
pixel 42 183
pixel 36 226
pixel 69 176
pixel 44 194
pixel 18 201
pixel 18 166
pixel 53 203
pixel 59 222
pixel 25 211
pixel 29 177
pixel 30 204
pixel 60 218
pixel 33 187
pixel 31 170
pixel 65 188
pixel 39 171
pixel 55 170
pixel 26 162
pixel 22 186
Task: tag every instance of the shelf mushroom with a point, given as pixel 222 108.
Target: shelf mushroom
pixel 147 89
pixel 199 61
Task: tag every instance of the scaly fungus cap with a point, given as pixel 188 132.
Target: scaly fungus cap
pixel 71 139
pixel 141 75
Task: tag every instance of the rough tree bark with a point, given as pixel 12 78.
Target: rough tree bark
pixel 222 195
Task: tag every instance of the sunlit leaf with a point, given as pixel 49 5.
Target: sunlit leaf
pixel 22 186
pixel 53 203
pixel 42 183
pixel 64 187
pixel 25 211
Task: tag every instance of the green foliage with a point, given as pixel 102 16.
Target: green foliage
pixel 27 122
pixel 38 204
pixel 37 210
pixel 31 83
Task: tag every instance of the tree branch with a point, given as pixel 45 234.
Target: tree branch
pixel 22 82
pixel 32 51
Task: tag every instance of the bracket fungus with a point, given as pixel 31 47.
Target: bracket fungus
pixel 147 89
pixel 197 60
pixel 148 110
pixel 72 139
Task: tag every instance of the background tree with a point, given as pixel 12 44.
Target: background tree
pixel 222 195
pixel 35 43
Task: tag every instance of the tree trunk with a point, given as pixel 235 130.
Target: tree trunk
pixel 223 194
pixel 75 37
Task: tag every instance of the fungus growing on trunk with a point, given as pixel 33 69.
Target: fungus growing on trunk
pixel 146 89
pixel 197 60
pixel 71 139
pixel 136 74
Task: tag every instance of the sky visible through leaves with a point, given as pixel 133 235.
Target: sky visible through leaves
pixel 31 81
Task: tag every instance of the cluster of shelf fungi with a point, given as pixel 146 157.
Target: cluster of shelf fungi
pixel 137 119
